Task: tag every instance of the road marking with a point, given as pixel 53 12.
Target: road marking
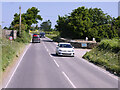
pixel 45 46
pixel 69 80
pixel 17 66
pixel 56 63
pixel 47 50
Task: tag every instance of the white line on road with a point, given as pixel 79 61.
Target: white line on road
pixel 51 55
pixel 69 80
pixel 45 47
pixel 56 63
pixel 17 67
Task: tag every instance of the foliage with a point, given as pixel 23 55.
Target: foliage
pixel 28 18
pixel 5 28
pixel 9 51
pixel 116 23
pixel 110 45
pixel 106 55
pixel 46 26
pixel 83 22
pixel 16 27
pixel 24 38
pixel 54 35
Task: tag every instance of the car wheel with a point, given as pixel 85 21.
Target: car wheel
pixel 56 54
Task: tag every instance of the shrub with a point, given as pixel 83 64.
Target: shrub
pixel 107 55
pixel 110 44
pixel 25 37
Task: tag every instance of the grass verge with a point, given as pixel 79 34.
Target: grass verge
pixel 10 50
pixel 106 55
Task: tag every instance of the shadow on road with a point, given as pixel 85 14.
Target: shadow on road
pixel 55 55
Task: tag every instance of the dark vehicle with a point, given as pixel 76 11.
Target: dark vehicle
pixel 42 35
pixel 35 34
pixel 35 38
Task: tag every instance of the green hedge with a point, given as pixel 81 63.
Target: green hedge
pixel 106 55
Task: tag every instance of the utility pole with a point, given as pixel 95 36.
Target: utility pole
pixel 20 20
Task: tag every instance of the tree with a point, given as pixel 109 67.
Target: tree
pixel 16 27
pixel 5 27
pixel 46 25
pixel 83 22
pixel 28 18
pixel 116 23
pixel 36 27
pixel 31 16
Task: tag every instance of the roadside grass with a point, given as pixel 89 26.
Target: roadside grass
pixel 10 50
pixel 54 35
pixel 0 62
pixel 106 55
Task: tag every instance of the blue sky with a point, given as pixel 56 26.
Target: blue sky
pixel 51 10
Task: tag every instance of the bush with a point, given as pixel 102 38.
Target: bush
pixel 110 44
pixel 25 37
pixel 107 55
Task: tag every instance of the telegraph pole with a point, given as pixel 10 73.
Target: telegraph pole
pixel 20 20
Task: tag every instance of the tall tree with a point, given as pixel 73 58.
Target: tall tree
pixel 28 18
pixel 83 22
pixel 46 25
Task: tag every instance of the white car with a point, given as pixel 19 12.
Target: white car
pixel 65 49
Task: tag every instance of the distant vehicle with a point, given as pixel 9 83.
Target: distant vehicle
pixel 35 38
pixel 35 34
pixel 65 49
pixel 42 34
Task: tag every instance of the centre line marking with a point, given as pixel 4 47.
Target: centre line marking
pixel 69 80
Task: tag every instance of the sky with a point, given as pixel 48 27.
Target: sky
pixel 51 10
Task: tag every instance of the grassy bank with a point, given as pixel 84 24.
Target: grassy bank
pixel 10 50
pixel 106 55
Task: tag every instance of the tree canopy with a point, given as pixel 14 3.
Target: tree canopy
pixel 46 26
pixel 28 18
pixel 83 22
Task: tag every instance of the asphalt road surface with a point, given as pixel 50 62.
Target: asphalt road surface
pixel 41 68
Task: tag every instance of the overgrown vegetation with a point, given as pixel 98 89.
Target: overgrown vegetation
pixel 25 37
pixel 10 50
pixel 106 55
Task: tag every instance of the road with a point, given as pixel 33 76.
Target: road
pixel 41 68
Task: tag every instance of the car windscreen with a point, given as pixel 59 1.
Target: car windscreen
pixel 65 46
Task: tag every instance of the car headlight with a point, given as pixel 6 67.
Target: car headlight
pixel 72 50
